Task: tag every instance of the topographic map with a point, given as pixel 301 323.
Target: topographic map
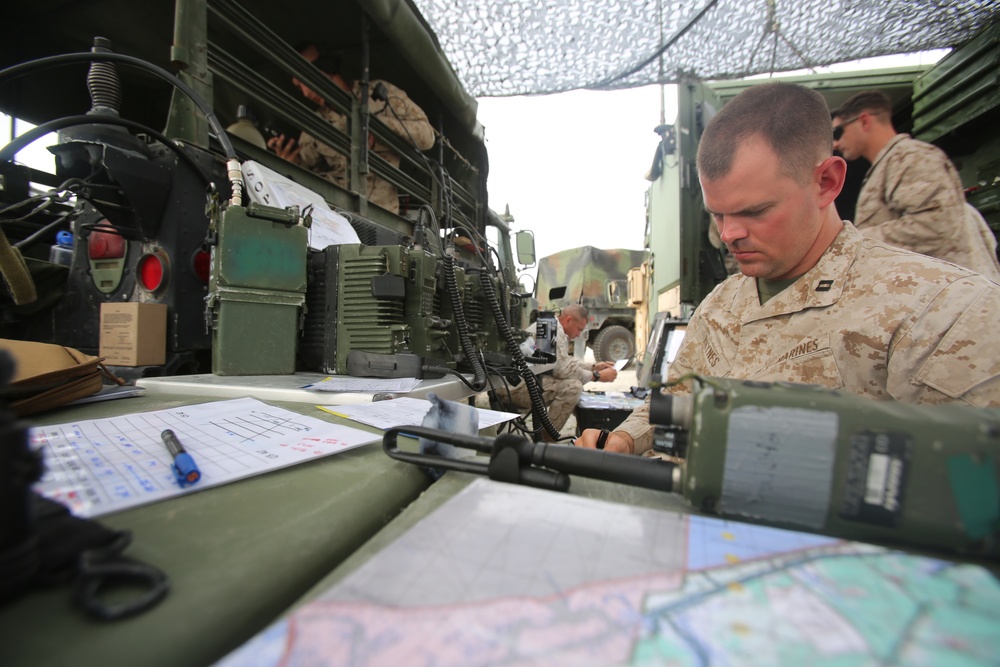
pixel 507 575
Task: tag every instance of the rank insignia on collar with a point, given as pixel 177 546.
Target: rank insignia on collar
pixel 824 285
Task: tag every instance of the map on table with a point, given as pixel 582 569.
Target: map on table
pixel 509 575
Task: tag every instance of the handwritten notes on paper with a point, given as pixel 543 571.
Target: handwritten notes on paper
pixel 100 466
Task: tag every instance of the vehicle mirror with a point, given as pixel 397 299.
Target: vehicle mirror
pixel 525 243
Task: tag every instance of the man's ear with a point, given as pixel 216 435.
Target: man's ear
pixel 830 176
pixel 866 121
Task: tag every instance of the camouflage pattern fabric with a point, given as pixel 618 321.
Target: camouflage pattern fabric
pixel 562 388
pixel 869 318
pixel 585 273
pixel 912 198
pixel 560 395
pixel 567 365
pixel 411 125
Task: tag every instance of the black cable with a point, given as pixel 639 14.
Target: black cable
pixel 38 209
pixel 18 143
pixel 425 208
pixel 451 286
pixel 54 192
pixel 21 203
pixel 89 56
pixel 538 410
pixel 125 233
pixel 31 240
pixel 518 422
pixel 444 370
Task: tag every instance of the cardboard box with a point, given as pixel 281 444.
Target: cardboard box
pixel 134 334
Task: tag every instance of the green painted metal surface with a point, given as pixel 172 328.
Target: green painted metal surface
pixel 237 555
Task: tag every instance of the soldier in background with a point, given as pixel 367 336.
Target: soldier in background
pixel 912 196
pixel 395 109
pixel 817 302
pixel 562 387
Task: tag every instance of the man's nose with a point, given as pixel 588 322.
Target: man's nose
pixel 730 230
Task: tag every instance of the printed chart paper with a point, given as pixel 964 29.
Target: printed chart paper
pixel 100 466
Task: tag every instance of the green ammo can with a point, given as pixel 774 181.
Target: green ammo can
pixel 257 289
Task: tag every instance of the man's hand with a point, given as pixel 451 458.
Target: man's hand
pixel 284 147
pixel 600 366
pixel 618 441
pixel 605 374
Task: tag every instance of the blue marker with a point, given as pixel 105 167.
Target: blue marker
pixel 184 467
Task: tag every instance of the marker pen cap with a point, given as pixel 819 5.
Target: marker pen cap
pixel 185 469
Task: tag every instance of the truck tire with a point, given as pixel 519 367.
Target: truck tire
pixel 614 343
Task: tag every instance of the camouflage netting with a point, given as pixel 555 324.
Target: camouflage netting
pixel 517 47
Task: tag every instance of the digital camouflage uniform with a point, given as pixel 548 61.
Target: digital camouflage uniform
pixel 412 126
pixel 561 388
pixel 869 318
pixel 912 198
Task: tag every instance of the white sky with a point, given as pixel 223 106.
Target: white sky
pixel 571 165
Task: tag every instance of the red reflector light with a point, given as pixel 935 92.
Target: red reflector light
pixel 151 272
pixel 202 264
pixel 105 245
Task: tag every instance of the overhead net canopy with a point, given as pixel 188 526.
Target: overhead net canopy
pixel 519 47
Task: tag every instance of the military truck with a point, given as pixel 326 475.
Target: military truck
pixel 598 280
pixel 954 104
pixel 150 142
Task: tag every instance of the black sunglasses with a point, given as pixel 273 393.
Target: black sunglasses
pixel 838 131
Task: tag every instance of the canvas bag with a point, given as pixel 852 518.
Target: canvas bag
pixel 47 376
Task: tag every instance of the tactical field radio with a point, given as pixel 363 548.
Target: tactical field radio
pixel 822 460
pixel 390 311
pixel 792 456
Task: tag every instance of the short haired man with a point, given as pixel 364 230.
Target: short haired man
pixel 561 388
pixel 817 302
pixel 912 196
pixel 398 112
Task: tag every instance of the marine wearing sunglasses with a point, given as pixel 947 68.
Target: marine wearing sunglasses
pixel 838 131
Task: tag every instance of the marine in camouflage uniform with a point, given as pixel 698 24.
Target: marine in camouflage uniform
pixel 869 318
pixel 409 122
pixel 912 198
pixel 561 388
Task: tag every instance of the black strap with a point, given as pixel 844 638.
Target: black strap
pixel 64 548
